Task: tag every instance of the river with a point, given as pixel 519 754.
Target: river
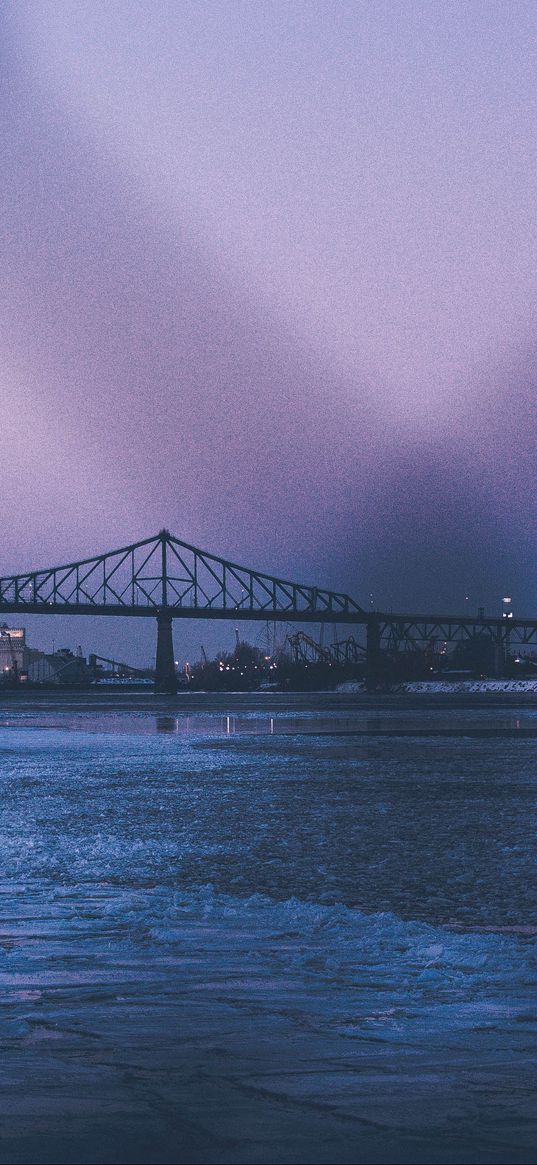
pixel 270 929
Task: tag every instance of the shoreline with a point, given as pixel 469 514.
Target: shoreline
pixel 186 702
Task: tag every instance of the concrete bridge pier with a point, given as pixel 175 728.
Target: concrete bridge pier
pixel 372 654
pixel 500 656
pixel 165 677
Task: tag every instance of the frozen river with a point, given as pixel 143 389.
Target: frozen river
pixel 267 930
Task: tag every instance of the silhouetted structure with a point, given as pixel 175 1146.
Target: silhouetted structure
pixel 166 579
pixel 21 664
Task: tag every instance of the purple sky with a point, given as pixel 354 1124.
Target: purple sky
pixel 269 279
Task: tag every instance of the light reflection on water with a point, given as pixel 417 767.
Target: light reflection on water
pixel 478 722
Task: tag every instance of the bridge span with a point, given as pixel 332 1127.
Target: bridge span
pixel 165 578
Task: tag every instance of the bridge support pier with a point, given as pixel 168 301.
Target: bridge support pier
pixel 165 677
pixel 500 656
pixel 372 654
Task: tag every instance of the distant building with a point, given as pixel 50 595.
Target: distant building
pixel 13 651
pixel 20 663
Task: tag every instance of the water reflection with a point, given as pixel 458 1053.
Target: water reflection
pixel 426 722
pixel 167 724
pixel 421 724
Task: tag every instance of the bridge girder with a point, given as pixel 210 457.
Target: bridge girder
pixel 419 629
pixel 164 574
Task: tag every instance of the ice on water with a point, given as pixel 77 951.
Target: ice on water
pixel 232 949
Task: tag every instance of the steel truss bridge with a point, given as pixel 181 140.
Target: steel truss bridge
pixel 166 579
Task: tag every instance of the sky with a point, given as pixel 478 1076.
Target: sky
pixel 269 280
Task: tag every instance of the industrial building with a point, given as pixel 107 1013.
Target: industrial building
pixel 21 664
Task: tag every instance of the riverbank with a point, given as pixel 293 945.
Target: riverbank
pixel 96 699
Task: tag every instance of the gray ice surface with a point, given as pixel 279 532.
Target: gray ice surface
pixel 288 948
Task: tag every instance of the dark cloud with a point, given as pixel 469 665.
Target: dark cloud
pixel 143 386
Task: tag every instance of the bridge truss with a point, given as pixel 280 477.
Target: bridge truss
pixel 166 578
pixel 407 632
pixel 164 575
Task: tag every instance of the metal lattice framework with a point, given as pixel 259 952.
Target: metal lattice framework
pixel 304 649
pixel 346 651
pixel 164 575
pixel 400 632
